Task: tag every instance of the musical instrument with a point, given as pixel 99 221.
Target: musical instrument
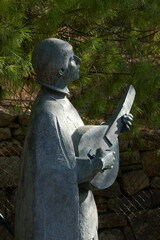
pixel 87 139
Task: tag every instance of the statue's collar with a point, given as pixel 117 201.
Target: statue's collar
pixel 62 91
pixel 53 92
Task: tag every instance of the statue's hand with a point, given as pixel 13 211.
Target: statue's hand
pixel 127 122
pixel 104 158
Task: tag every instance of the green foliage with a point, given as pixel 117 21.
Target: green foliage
pixel 118 42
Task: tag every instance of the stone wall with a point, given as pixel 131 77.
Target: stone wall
pixel 128 210
pixel 12 132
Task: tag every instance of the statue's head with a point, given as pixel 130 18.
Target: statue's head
pixel 55 64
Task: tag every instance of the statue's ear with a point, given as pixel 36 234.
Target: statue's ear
pixel 61 71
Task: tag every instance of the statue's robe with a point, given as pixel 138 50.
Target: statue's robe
pixel 49 204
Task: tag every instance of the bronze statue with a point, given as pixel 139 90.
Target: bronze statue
pixel 58 171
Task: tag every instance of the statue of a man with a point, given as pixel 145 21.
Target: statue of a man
pixel 50 203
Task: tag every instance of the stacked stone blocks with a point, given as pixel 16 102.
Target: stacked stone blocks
pixel 128 210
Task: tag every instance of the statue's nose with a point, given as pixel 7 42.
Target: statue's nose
pixel 77 59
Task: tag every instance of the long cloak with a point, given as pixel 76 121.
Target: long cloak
pixel 48 202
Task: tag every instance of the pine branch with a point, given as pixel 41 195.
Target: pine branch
pixel 111 73
pixel 149 35
pixel 12 52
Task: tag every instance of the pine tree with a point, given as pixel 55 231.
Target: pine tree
pixel 118 42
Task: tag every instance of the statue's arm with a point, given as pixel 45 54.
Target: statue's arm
pixel 88 168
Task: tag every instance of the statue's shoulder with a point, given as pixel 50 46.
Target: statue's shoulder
pixel 47 104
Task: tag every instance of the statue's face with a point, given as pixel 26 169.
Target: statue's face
pixel 72 67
